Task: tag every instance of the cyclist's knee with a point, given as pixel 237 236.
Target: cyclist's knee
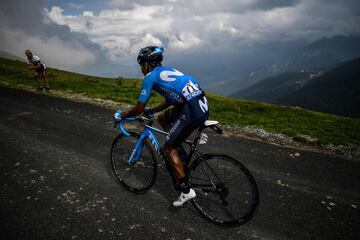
pixel 168 149
pixel 171 152
pixel 162 121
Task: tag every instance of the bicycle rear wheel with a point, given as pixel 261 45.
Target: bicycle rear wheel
pixel 226 191
pixel 141 175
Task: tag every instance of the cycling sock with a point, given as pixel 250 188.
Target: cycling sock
pixel 168 167
pixel 183 185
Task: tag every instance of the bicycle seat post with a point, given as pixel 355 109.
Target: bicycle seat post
pixel 198 134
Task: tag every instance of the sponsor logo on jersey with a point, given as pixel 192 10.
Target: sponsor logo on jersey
pixel 204 105
pixel 170 75
pixel 171 94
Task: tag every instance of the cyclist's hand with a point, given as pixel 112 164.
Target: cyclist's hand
pixel 117 117
pixel 148 113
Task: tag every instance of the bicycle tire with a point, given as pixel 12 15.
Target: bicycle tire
pixel 133 177
pixel 200 173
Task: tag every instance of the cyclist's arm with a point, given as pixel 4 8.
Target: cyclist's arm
pixel 30 66
pixel 142 100
pixel 134 111
pixel 160 107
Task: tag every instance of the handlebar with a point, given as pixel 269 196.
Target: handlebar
pixel 121 126
pixel 138 118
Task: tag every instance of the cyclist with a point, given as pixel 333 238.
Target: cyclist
pixel 34 62
pixel 189 111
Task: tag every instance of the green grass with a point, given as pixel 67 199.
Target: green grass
pixel 273 118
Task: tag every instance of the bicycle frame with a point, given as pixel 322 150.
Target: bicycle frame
pixel 148 133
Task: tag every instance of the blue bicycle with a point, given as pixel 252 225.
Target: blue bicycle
pixel 226 191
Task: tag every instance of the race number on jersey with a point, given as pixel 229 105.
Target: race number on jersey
pixel 190 90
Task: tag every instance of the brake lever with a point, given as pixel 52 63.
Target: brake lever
pixel 146 119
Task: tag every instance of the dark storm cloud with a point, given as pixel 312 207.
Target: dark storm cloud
pixel 265 5
pixel 210 5
pixel 196 34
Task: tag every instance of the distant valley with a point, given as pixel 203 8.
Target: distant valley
pixel 335 91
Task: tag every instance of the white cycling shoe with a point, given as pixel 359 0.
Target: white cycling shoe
pixel 184 197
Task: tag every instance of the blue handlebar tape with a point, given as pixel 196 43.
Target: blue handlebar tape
pixel 122 129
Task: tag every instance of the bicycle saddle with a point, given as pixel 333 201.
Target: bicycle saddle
pixel 209 123
pixel 212 125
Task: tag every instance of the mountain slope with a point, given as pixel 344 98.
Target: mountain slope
pixel 337 91
pixel 272 88
pixel 320 55
pixel 10 56
pixel 317 56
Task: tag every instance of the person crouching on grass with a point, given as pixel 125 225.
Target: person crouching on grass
pixel 34 62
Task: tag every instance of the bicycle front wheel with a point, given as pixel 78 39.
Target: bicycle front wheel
pixel 139 176
pixel 226 191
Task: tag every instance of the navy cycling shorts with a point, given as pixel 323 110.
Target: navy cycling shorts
pixel 185 119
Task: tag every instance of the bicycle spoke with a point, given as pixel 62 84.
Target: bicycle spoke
pixel 226 193
pixel 140 175
pixel 204 188
pixel 220 207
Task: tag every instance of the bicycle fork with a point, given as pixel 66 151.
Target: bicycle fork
pixel 137 150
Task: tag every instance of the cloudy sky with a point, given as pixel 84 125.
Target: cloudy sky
pixel 206 38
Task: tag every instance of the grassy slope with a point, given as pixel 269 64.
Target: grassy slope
pixel 274 118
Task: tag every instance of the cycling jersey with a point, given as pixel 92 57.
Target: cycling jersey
pixel 173 85
pixel 35 60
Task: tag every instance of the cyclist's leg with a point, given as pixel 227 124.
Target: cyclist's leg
pixel 175 161
pixel 163 121
pixel 187 118
pixel 180 130
pixel 178 168
pixel 37 79
pixel 44 75
pixel 166 119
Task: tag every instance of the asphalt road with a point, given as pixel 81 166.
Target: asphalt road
pixel 56 183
